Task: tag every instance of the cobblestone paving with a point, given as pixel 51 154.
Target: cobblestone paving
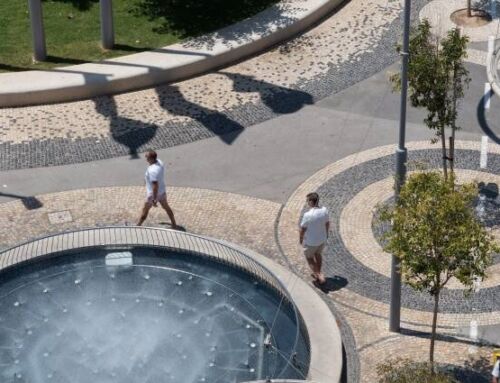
pixel 235 218
pixel 360 293
pixel 271 229
pixel 351 45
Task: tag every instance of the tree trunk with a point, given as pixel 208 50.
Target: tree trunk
pixel 445 156
pixel 469 8
pixel 433 333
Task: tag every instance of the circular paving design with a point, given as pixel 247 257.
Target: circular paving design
pixel 361 232
pixel 360 181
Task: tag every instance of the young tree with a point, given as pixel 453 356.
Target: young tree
pixel 436 236
pixel 437 77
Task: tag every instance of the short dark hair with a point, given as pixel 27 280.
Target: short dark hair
pixel 313 197
pixel 150 153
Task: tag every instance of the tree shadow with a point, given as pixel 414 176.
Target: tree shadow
pixel 193 17
pixel 81 5
pixel 332 284
pixel 29 202
pixel 279 99
pixel 128 132
pixel 473 371
pixel 483 122
pixel 172 100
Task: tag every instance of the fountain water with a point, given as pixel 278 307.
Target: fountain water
pixel 142 314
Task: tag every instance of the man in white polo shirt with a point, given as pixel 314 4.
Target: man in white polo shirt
pixel 156 190
pixel 313 234
pixel 496 372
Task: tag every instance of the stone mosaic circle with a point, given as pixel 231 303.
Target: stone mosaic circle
pixel 338 192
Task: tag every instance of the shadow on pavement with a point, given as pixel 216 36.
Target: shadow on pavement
pixel 279 99
pixel 126 131
pixel 483 122
pixel 172 100
pixel 29 202
pixel 334 283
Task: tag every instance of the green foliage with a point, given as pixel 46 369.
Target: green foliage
pixel 437 74
pixel 407 371
pixel 72 27
pixel 436 235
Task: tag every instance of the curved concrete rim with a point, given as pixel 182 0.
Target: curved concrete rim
pixel 164 65
pixel 321 326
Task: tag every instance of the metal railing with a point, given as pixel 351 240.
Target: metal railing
pixel 130 236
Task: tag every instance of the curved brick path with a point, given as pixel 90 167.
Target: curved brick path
pixel 352 44
pixel 359 293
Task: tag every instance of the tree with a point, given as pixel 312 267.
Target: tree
pixel 436 236
pixel 437 77
pixel 407 371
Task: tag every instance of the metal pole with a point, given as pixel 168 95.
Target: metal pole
pixel 401 156
pixel 107 29
pixel 37 32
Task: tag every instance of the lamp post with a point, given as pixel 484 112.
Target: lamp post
pixel 37 32
pixel 401 157
pixel 107 29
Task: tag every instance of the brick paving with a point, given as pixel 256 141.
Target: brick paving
pixel 271 229
pixel 356 293
pixel 353 44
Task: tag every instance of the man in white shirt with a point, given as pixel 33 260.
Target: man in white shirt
pixel 155 188
pixel 313 234
pixel 496 372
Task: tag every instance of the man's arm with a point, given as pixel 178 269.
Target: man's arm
pixel 155 191
pixel 301 234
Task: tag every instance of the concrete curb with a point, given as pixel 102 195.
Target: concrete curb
pixel 172 63
pixel 322 327
pixel 324 334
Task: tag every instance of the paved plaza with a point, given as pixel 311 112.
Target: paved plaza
pixel 243 147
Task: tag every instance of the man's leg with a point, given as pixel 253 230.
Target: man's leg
pixel 318 258
pixel 164 204
pixel 144 214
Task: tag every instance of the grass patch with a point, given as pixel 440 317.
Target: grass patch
pixel 72 27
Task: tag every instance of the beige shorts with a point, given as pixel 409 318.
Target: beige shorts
pixel 311 251
pixel 161 197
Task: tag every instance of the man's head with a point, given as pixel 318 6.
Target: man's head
pixel 150 156
pixel 312 199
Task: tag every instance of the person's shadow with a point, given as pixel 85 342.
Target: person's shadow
pixel 279 99
pixel 29 202
pixel 131 133
pixel 172 100
pixel 334 283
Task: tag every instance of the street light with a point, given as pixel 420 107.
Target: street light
pixel 401 157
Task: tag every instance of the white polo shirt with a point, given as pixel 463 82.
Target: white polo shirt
pixel 314 221
pixel 496 369
pixel 155 173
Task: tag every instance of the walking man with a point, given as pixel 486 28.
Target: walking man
pixel 495 374
pixel 313 234
pixel 155 188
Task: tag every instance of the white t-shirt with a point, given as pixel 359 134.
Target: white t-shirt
pixel 496 369
pixel 155 172
pixel 314 221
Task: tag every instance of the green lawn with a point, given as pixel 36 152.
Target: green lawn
pixel 72 27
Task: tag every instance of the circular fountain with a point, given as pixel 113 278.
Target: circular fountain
pixel 144 305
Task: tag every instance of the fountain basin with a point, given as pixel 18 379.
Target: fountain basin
pixel 125 306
